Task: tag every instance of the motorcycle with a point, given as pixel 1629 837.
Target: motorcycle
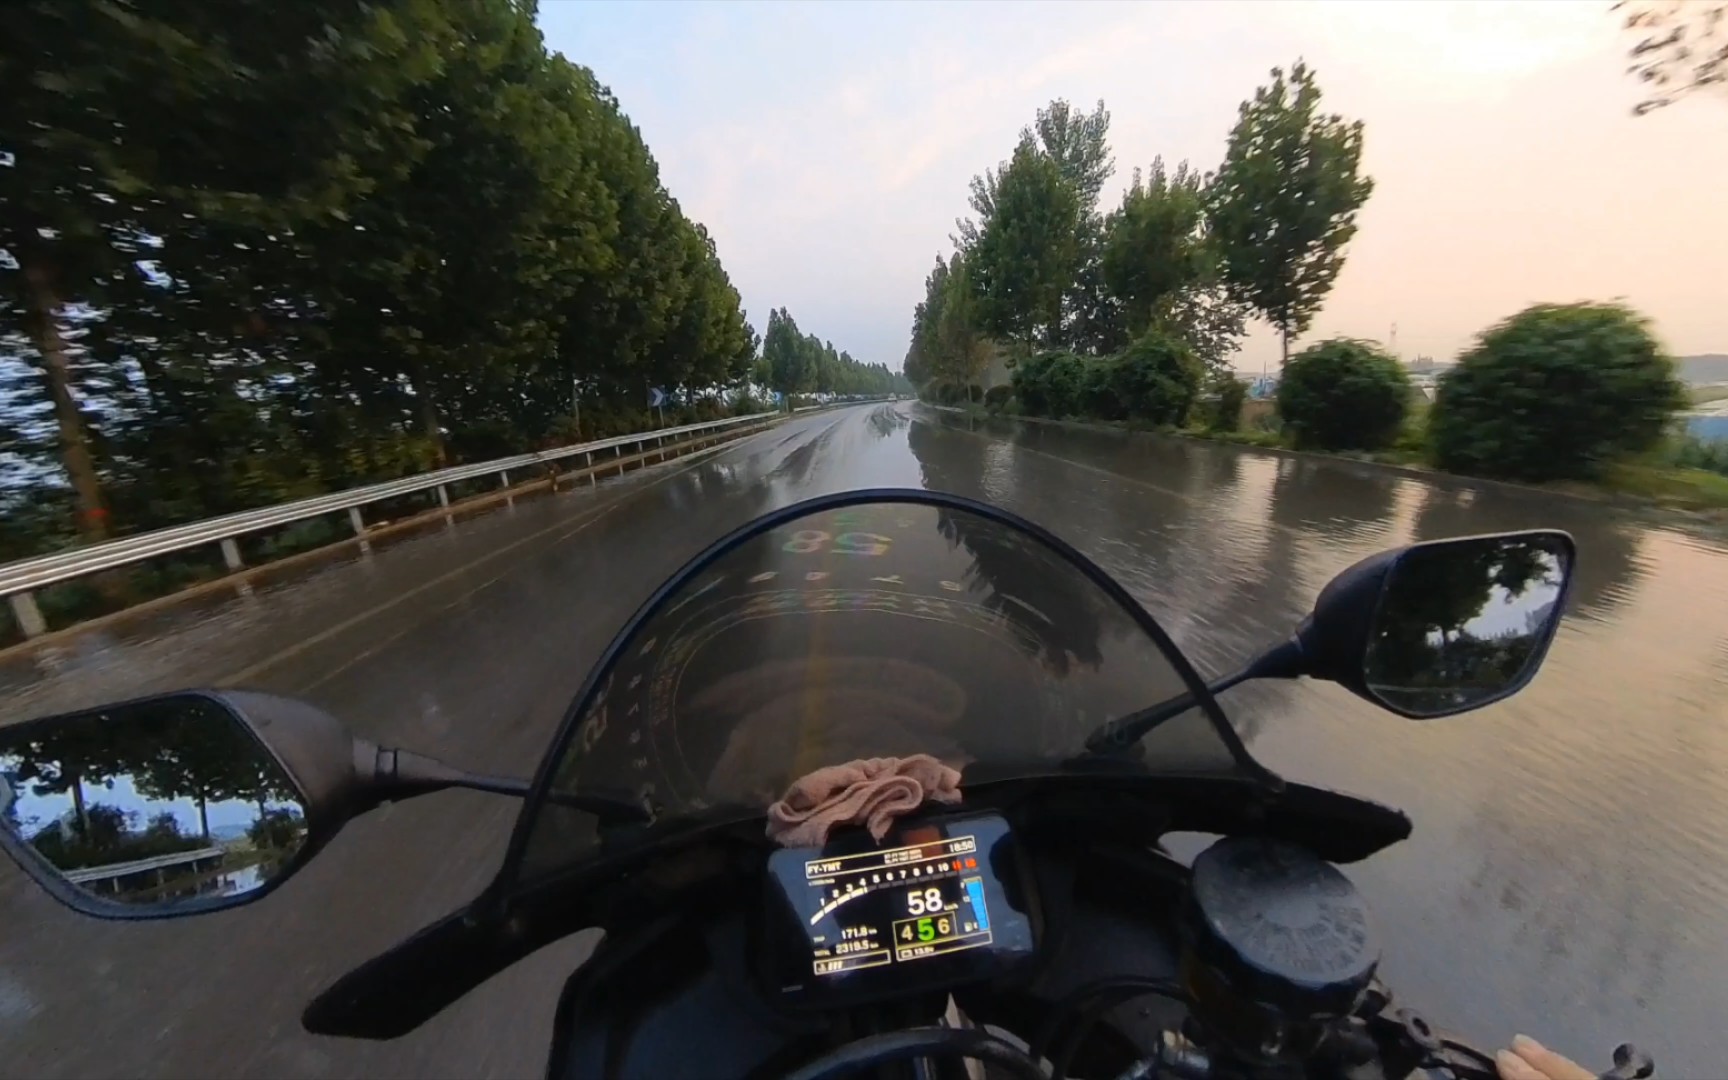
pixel 1031 924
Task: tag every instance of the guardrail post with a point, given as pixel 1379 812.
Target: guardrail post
pixel 29 616
pixel 231 554
pixel 359 525
pixel 503 477
pixel 588 463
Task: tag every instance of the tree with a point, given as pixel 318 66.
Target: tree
pixel 1682 47
pixel 1154 248
pixel 139 141
pixel 1023 262
pixel 1556 392
pixel 784 350
pixel 1205 316
pixel 251 252
pixel 1344 395
pixel 1283 205
pixel 1077 143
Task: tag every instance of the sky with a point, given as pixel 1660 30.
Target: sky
pixel 828 146
pixel 36 811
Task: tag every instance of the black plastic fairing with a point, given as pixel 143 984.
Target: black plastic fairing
pixel 398 990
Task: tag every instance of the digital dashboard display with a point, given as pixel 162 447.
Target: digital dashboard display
pixel 927 905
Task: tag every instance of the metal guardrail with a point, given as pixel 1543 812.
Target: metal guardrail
pixel 18 580
pixel 138 866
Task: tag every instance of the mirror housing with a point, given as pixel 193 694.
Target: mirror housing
pixel 171 760
pixel 1437 628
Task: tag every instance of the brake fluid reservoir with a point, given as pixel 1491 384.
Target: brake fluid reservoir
pixel 1276 943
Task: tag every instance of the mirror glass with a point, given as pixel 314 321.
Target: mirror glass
pixel 154 802
pixel 1463 622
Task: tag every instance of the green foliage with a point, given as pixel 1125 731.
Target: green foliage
pixel 1076 142
pixel 1556 392
pixel 1156 379
pixel 1284 203
pixel 996 398
pixel 1688 451
pixel 1153 243
pixel 253 251
pixel 1022 265
pixel 1224 412
pixel 1344 395
pixel 794 362
pixel 947 342
pixel 1051 384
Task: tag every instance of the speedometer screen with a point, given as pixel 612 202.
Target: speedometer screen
pixel 905 903
pixel 928 906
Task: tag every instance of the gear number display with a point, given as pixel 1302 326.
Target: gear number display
pixel 907 904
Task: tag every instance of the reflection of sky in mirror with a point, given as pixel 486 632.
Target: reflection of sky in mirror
pixel 1508 612
pixel 35 811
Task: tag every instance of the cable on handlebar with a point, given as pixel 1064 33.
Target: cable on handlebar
pixel 1127 986
pixel 872 1050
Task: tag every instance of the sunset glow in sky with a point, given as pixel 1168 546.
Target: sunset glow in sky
pixel 827 147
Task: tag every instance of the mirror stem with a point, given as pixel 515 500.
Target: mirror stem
pixel 402 774
pixel 1281 662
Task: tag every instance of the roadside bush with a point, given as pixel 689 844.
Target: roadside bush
pixel 996 398
pixel 1688 451
pixel 746 403
pixel 974 393
pixel 1050 384
pixel 1225 410
pixel 944 392
pixel 1343 394
pixel 1556 392
pixel 1156 379
pixel 1101 391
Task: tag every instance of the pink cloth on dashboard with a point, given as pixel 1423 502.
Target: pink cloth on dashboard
pixel 870 791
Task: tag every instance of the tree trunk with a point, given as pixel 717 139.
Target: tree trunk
pixel 44 328
pixel 429 417
pixel 204 817
pixel 78 805
pixel 1284 341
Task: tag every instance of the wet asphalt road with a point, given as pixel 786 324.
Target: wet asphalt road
pixel 1565 879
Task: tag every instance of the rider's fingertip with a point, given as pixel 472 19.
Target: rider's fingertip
pixel 1513 1067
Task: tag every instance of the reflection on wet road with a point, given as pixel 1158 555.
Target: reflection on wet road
pixel 1564 878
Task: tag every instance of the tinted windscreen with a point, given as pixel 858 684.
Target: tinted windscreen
pixel 872 630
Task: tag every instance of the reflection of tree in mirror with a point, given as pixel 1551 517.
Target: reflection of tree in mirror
pixel 1609 563
pixel 107 834
pixel 276 830
pixel 1461 621
pixel 150 756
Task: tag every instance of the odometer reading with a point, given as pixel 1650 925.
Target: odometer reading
pixel 899 904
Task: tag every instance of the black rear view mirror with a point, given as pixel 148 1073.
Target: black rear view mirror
pixel 1427 630
pixel 205 799
pixel 1443 627
pixel 163 806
